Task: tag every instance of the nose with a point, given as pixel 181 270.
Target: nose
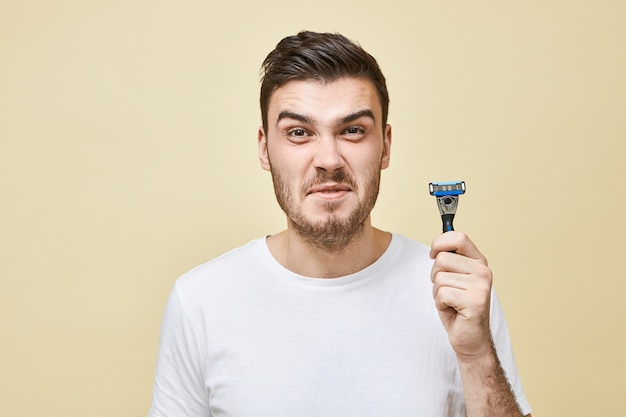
pixel 328 155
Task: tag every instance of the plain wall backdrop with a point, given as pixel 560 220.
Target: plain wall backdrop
pixel 128 156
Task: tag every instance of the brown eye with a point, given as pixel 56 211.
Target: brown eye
pixel 299 135
pixel 298 132
pixel 354 133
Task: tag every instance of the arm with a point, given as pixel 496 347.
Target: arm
pixel 462 291
pixel 486 389
pixel 178 384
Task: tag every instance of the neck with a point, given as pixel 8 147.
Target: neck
pixel 312 259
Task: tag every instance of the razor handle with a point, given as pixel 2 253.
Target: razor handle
pixel 447 219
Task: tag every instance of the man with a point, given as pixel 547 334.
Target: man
pixel 333 317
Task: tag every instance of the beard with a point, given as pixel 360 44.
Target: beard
pixel 332 232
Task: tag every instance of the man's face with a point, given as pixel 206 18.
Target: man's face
pixel 325 146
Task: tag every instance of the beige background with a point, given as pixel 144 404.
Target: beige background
pixel 128 156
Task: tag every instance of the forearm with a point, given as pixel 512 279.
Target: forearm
pixel 486 390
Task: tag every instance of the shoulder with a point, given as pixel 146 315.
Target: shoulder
pixel 409 249
pixel 408 259
pixel 225 260
pixel 227 270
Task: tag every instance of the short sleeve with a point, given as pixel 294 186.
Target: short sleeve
pixel 179 389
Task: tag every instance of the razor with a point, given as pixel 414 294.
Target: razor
pixel 447 194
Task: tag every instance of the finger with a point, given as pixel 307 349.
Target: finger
pixel 456 242
pixel 467 302
pixel 462 294
pixel 449 297
pixel 450 279
pixel 453 262
pixel 479 277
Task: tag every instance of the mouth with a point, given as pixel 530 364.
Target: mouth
pixel 329 191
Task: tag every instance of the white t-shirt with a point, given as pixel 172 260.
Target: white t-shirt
pixel 244 337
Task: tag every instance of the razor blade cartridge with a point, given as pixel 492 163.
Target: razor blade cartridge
pixel 440 189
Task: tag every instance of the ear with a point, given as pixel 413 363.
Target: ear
pixel 264 158
pixel 386 147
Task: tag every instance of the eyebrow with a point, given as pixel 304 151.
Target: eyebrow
pixel 294 116
pixel 357 115
pixel 347 119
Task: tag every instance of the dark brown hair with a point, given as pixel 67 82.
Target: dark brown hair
pixel 324 57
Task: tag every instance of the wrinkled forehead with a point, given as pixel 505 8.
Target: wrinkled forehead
pixel 325 101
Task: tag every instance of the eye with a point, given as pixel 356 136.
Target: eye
pixel 354 130
pixel 298 133
pixel 354 133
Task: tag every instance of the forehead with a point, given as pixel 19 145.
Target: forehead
pixel 325 100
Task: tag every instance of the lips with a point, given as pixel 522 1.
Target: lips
pixel 329 189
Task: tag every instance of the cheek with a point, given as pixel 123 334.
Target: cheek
pixel 292 166
pixel 368 176
pixel 287 175
pixel 367 166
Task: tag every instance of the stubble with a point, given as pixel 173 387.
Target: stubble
pixel 332 232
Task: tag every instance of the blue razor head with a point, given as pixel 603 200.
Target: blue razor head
pixel 440 189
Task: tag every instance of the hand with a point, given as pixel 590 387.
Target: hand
pixel 462 291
